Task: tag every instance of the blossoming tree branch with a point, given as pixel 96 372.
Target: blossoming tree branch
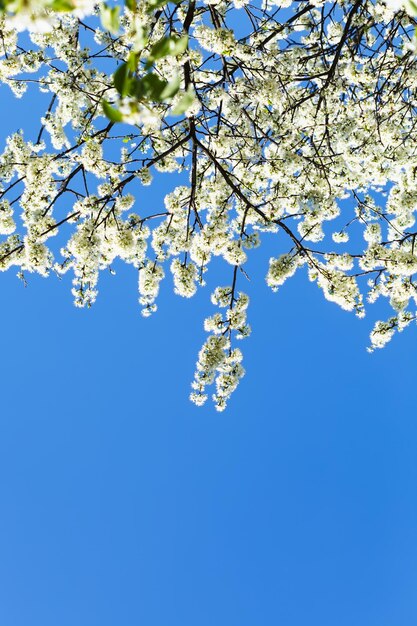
pixel 291 120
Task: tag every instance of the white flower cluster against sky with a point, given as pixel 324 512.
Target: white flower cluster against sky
pixel 287 120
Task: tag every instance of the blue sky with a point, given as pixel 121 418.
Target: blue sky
pixel 124 505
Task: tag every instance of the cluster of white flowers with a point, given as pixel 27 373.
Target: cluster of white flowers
pixel 301 128
pixel 150 277
pixel 40 15
pixel 184 278
pixel 384 331
pixel 218 364
pixel 283 268
pixel 7 223
pixel 338 287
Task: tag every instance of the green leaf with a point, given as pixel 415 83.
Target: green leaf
pixel 137 88
pixel 179 45
pixel 109 18
pixel 184 103
pixel 140 38
pixel 160 49
pixel 110 112
pixel 411 7
pixel 167 46
pixel 131 5
pixel 150 87
pixel 132 61
pixel 62 6
pixel 153 86
pixel 121 79
pixel 171 89
pixel 156 4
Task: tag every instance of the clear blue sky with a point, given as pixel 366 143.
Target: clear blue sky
pixel 124 505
